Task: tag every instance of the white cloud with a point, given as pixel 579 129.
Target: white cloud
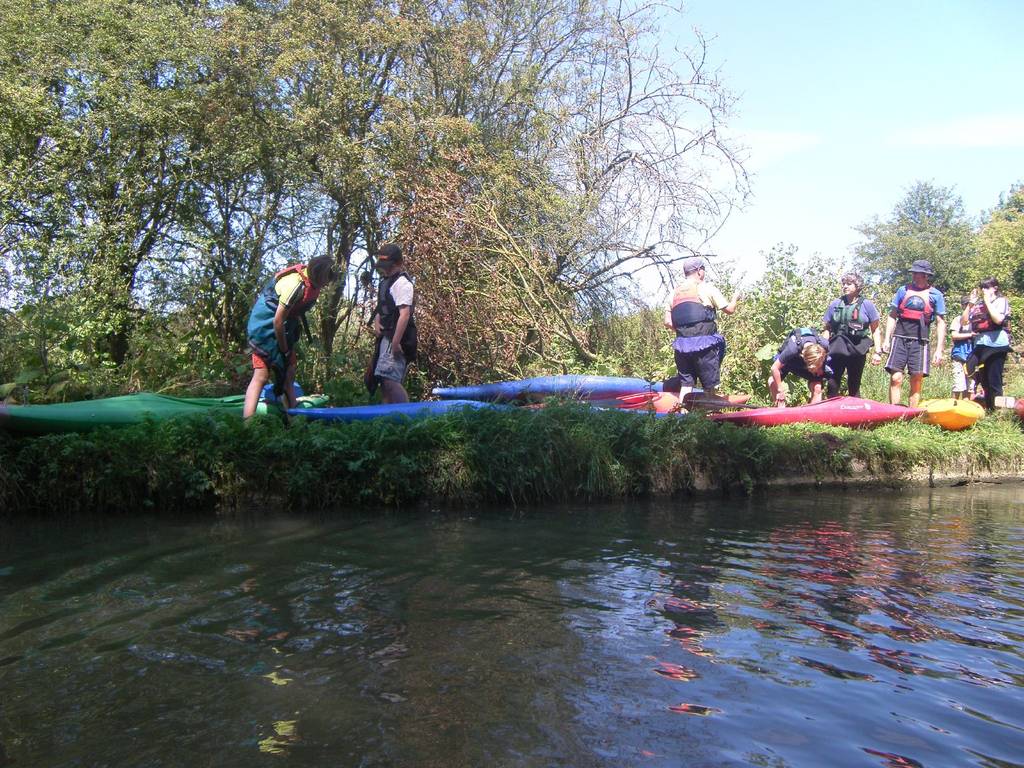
pixel 988 131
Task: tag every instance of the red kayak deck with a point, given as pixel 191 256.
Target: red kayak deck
pixel 838 412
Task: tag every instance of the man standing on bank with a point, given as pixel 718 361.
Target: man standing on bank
pixel 393 325
pixel 699 347
pixel 907 329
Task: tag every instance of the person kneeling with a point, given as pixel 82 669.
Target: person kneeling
pixel 803 354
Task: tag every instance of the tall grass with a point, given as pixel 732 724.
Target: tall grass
pixel 558 453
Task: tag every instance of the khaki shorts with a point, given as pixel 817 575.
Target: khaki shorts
pixel 390 366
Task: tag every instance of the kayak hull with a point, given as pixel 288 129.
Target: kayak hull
pixel 542 387
pixel 394 410
pixel 87 415
pixel 837 412
pixel 952 414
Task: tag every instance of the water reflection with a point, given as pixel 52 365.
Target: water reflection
pixel 798 630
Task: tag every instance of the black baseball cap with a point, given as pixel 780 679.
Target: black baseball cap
pixel 390 253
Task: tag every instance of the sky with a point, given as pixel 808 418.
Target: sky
pixel 842 106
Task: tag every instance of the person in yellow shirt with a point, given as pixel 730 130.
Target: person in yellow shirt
pixel 274 326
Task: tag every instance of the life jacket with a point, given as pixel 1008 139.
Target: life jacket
pixel 916 305
pixel 260 330
pixel 981 320
pixel 804 336
pixel 847 320
pixel 915 308
pixel 387 311
pixel 310 293
pixel 690 316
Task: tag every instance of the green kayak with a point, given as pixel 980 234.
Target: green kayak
pixel 86 415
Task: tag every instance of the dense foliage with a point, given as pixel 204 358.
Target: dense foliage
pixel 159 159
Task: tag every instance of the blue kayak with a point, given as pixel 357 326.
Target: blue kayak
pixel 393 410
pixel 541 387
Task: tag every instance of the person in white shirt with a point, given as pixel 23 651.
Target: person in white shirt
pixel 394 326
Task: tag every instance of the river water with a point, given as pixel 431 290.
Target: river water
pixel 850 629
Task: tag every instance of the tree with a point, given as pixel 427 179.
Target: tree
pixel 1000 243
pixel 928 223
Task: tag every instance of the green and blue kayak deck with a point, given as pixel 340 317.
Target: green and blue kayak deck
pixel 86 415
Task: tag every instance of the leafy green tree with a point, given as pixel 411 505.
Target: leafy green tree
pixel 928 223
pixel 1000 243
pixel 791 294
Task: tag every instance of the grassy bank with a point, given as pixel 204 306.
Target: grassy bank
pixel 521 457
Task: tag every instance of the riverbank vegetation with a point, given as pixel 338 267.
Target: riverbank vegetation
pixel 520 457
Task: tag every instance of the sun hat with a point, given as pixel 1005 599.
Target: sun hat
pixel 923 266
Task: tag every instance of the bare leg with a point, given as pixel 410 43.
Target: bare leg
pixel 393 392
pixel 896 387
pixel 260 377
pixel 916 382
pixel 288 398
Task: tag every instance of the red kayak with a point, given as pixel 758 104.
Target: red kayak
pixel 838 412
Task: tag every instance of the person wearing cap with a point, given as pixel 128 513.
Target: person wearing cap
pixel 698 347
pixel 274 327
pixel 851 327
pixel 913 310
pixel 394 326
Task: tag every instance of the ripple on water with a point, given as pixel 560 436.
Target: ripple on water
pixel 801 631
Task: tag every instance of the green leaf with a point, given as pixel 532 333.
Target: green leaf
pixel 6 389
pixel 767 352
pixel 28 376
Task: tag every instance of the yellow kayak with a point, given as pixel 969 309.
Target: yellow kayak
pixel 951 414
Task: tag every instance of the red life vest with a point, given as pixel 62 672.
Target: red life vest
pixel 906 312
pixel 981 320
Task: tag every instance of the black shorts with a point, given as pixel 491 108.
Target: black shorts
pixel 909 354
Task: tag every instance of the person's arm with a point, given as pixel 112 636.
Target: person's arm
pixel 994 306
pixel 890 328
pixel 282 340
pixel 780 394
pixel 940 341
pixel 957 332
pixel 826 322
pixel 815 387
pixel 404 313
pixel 730 308
pixel 668 319
pixel 876 343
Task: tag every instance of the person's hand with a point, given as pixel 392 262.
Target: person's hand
pixel 780 400
pixel 989 293
pixel 886 346
pixel 876 358
pixel 973 298
pixel 937 357
pixel 737 297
